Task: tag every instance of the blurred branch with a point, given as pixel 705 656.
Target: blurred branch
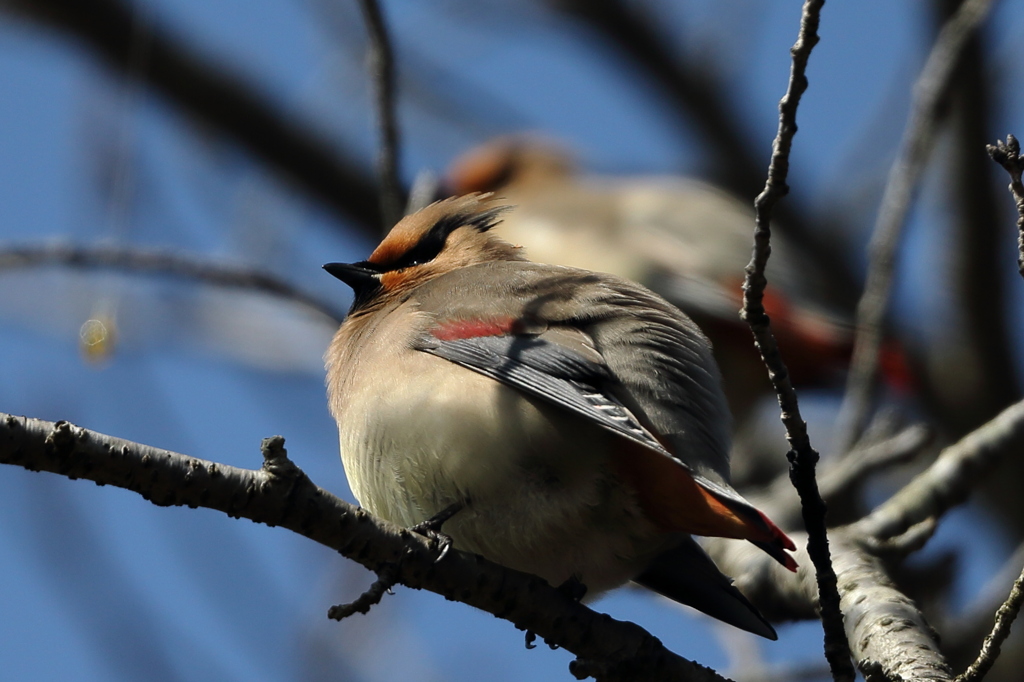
pixel 280 494
pixel 162 263
pixel 1007 155
pixel 1000 631
pixel 218 99
pixel 975 385
pixel 696 90
pixel 852 470
pixel 950 479
pixel 904 177
pixel 382 73
pixel 841 477
pixel 886 631
pixel 802 457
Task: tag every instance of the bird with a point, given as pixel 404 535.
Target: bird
pixel 685 239
pixel 559 421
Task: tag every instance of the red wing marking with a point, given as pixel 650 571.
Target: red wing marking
pixel 453 330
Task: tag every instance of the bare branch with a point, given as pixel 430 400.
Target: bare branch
pixel 802 457
pixel 1000 631
pixel 904 177
pixel 841 477
pixel 382 73
pixel 887 632
pixel 218 99
pixel 161 263
pixel 280 494
pixel 1007 155
pixel 950 479
pixel 852 470
pixel 385 581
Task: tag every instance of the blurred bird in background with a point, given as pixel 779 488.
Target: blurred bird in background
pixel 558 421
pixel 687 240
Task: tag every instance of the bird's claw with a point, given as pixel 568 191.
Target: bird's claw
pixel 431 528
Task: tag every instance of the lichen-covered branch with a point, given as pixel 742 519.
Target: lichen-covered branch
pixel 885 630
pixel 130 259
pixel 280 494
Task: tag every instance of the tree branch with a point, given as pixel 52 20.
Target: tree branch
pixel 162 263
pixel 1005 616
pixel 841 477
pixel 950 479
pixel 802 457
pixel 1007 155
pixel 904 177
pixel 218 99
pixel 382 73
pixel 888 634
pixel 280 494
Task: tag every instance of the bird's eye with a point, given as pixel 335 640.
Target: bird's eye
pixel 424 252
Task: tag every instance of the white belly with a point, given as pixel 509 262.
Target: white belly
pixel 541 497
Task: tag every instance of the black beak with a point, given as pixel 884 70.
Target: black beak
pixel 362 277
pixel 356 275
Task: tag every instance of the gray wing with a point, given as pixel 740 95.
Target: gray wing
pixel 548 370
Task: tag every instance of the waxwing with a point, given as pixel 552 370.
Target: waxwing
pixel 575 420
pixel 687 240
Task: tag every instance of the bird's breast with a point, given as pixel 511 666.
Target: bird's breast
pixel 418 433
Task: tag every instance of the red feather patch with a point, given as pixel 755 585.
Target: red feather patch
pixel 470 329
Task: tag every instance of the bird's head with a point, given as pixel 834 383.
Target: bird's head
pixel 509 160
pixel 445 236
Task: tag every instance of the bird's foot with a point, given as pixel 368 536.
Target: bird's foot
pixel 431 528
pixel 573 588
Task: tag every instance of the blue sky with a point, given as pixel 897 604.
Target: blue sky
pixel 98 584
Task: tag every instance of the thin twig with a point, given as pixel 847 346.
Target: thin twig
pixel 802 456
pixel 1000 631
pixel 1007 155
pixel 904 179
pixel 382 73
pixel 385 581
pixel 161 263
